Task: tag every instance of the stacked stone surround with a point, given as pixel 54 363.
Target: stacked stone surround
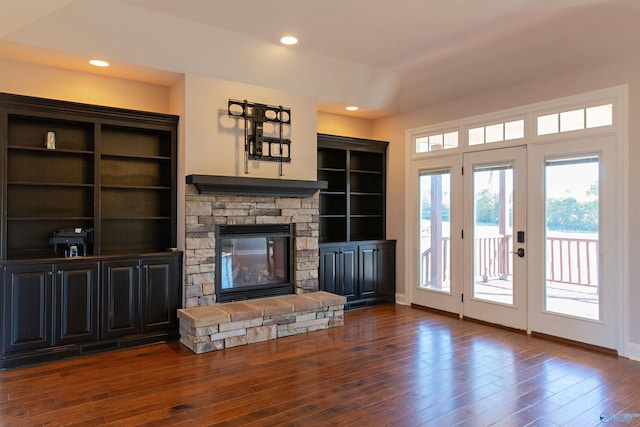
pixel 203 212
pixel 205 329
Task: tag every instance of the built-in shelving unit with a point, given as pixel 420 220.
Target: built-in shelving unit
pixel 356 260
pixel 113 172
pixel 352 208
pixel 46 189
pixel 136 175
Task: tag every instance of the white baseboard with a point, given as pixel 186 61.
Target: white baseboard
pixel 400 299
pixel 634 351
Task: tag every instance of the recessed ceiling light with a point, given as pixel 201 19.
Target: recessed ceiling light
pixel 351 108
pixel 99 63
pixel 289 40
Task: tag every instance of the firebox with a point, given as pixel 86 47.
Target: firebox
pixel 253 261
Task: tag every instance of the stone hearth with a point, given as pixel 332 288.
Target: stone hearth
pixel 204 329
pixel 204 211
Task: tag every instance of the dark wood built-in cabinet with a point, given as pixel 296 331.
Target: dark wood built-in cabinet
pixel 34 294
pixel 356 260
pixel 139 295
pixel 339 270
pixel 111 175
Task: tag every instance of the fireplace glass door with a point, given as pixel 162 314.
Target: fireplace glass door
pixel 253 261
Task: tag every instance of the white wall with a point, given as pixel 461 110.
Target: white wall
pixel 601 76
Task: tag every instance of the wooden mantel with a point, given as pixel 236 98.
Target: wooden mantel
pixel 243 186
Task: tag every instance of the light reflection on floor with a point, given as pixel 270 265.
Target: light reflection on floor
pixel 498 379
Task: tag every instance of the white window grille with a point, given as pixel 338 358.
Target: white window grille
pixel 441 141
pixel 583 118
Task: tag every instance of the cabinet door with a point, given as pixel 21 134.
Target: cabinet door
pixel 349 271
pixel 121 290
pixel 27 305
pixel 387 270
pixel 338 270
pixel 160 292
pixel 368 255
pixel 329 274
pixel 76 302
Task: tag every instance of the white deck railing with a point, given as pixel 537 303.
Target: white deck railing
pixel 572 261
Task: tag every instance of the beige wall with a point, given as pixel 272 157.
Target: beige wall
pixel 546 88
pixel 336 124
pixel 47 82
pixel 177 106
pixel 214 142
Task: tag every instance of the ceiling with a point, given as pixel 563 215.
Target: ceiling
pixel 388 56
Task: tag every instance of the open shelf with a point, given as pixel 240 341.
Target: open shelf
pixel 126 235
pixel 333 204
pixel 332 228
pixel 49 166
pixel 331 158
pixel 363 161
pixel 336 179
pixel 30 131
pixel 366 183
pixel 135 142
pixel 50 151
pixel 135 203
pixel 135 172
pixel 29 237
pixel 352 208
pixel 366 204
pixel 40 201
pixel 367 228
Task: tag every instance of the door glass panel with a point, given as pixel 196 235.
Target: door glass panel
pixel 435 204
pixel 492 233
pixel 571 227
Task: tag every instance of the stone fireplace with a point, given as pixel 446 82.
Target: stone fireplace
pixel 230 201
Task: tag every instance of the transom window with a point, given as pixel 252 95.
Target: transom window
pixel 440 141
pixel 583 118
pixel 497 132
pixel 527 124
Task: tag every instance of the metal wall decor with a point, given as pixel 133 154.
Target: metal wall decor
pixel 256 145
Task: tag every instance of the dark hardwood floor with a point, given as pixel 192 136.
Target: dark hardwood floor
pixel 388 366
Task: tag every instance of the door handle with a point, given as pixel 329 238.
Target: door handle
pixel 519 252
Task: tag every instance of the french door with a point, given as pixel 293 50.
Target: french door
pixel 438 219
pixel 573 251
pixel 523 237
pixel 495 269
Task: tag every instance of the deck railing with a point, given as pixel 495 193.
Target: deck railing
pixel 430 277
pixel 572 261
pixel 492 254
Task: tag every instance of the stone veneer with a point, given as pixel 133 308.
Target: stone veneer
pixel 204 329
pixel 204 211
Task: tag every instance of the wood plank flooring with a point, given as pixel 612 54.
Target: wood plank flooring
pixel 388 366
